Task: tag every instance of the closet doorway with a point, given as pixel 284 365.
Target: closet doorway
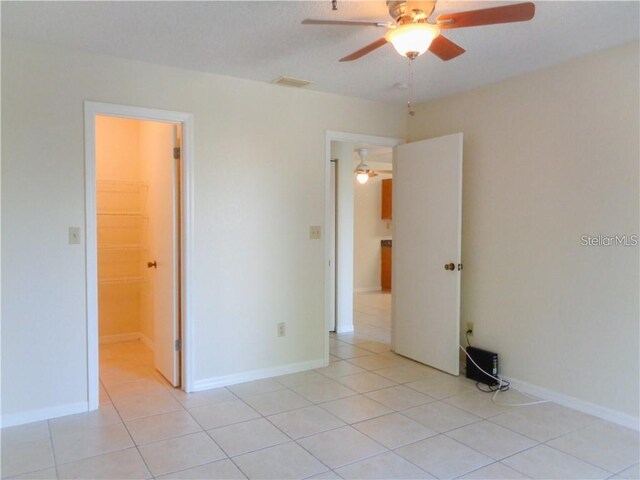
pixel 137 243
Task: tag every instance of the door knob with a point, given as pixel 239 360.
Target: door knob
pixel 449 266
pixel 155 265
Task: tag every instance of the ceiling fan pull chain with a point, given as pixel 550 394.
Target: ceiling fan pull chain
pixel 412 112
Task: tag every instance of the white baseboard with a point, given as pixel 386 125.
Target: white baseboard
pixel 226 380
pixel 20 418
pixel 344 328
pixel 147 341
pixel 122 337
pixel 599 411
pixel 367 289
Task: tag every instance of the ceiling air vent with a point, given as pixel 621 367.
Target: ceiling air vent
pixel 291 82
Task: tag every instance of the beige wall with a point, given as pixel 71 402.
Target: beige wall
pixel 549 157
pixel 369 229
pixel 258 186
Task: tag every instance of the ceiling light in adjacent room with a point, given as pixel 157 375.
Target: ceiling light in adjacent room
pixel 362 170
pixel 362 178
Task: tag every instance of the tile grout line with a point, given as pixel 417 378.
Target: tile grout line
pixel 129 433
pixel 216 443
pixel 292 440
pixel 363 433
pixel 488 465
pixel 576 457
pixel 100 454
pixel 53 450
pixel 411 443
pixel 387 449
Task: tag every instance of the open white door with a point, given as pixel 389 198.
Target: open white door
pixel 427 221
pixel 164 245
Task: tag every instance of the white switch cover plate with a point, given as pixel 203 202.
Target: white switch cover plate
pixel 74 235
pixel 315 232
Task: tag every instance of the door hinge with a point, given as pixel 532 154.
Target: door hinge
pixel 178 345
pixel 176 153
pixel 459 266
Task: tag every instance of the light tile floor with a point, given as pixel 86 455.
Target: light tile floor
pixel 372 315
pixel 370 414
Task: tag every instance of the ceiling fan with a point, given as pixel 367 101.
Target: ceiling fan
pixel 362 171
pixel 413 32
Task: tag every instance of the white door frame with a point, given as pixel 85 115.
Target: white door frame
pixel 335 136
pixel 91 109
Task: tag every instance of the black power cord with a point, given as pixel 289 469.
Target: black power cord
pixel 502 388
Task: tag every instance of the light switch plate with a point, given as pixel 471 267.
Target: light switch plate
pixel 315 232
pixel 74 235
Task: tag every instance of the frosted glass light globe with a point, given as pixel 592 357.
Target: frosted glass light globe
pixel 362 178
pixel 413 39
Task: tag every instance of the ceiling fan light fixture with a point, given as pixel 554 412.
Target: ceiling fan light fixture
pixel 413 39
pixel 362 178
pixel 362 172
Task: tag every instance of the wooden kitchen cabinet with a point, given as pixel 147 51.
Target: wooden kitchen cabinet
pixel 385 271
pixel 387 194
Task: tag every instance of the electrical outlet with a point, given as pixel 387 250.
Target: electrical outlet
pixel 282 329
pixel 315 233
pixel 74 235
pixel 470 328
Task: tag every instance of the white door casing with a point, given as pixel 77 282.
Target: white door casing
pixel 91 109
pixel 427 223
pixel 332 239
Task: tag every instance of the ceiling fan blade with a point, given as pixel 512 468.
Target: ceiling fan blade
pixel 363 51
pixel 444 48
pixel 384 171
pixel 372 173
pixel 347 23
pixel 519 12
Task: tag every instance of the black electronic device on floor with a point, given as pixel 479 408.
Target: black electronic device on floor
pixel 487 361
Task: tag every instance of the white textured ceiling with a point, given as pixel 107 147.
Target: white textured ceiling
pixel 263 40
